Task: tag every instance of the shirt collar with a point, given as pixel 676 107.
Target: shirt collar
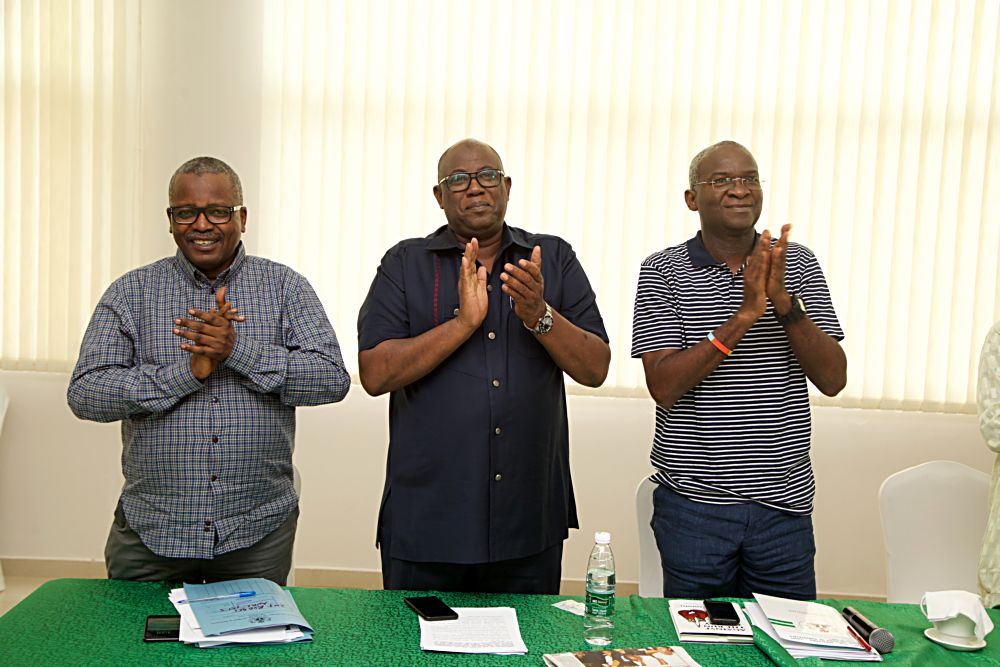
pixel 444 239
pixel 196 276
pixel 699 254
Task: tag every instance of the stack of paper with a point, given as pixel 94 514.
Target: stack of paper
pixel 809 629
pixel 242 611
pixel 476 630
pixel 692 625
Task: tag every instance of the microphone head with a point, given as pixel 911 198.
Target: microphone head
pixel 882 640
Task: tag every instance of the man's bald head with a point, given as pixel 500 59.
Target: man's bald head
pixel 442 161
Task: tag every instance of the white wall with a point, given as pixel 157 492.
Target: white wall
pixel 60 477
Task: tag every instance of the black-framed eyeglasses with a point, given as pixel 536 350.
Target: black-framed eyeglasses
pixel 729 182
pixel 217 215
pixel 461 180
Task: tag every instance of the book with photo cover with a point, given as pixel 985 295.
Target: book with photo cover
pixel 668 656
pixel 692 625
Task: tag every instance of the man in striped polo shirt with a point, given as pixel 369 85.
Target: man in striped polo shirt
pixel 729 325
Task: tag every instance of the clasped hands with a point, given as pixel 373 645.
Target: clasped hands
pixel 764 276
pixel 211 333
pixel 523 283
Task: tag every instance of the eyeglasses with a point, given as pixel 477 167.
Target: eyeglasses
pixel 217 215
pixel 461 180
pixel 728 183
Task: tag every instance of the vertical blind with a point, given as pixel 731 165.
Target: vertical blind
pixel 876 125
pixel 68 186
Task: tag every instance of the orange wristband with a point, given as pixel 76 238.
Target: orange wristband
pixel 718 344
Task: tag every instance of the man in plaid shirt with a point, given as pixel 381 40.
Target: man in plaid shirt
pixel 204 357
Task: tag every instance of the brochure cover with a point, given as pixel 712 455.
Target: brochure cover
pixel 242 604
pixel 692 625
pixel 671 656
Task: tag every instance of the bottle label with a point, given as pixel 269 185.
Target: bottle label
pixel 600 604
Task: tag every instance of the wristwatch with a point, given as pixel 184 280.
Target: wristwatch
pixel 544 322
pixel 796 313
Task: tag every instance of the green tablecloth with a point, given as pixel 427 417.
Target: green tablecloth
pixel 94 621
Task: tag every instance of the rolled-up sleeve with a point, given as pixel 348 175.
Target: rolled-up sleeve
pixel 107 384
pixel 308 368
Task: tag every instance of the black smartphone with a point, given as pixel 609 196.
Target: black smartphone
pixel 721 613
pixel 162 629
pixel 431 608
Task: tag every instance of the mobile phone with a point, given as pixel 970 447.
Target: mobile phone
pixel 431 608
pixel 162 629
pixel 721 613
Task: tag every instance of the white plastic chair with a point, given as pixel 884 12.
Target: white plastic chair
pixel 650 570
pixel 933 519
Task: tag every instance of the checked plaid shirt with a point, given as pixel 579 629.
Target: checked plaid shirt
pixel 207 466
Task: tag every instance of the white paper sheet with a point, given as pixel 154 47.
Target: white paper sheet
pixel 476 630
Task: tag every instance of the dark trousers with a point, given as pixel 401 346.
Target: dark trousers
pixel 127 557
pixel 539 573
pixel 732 550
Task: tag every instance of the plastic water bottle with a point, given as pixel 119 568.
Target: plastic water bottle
pixel 597 619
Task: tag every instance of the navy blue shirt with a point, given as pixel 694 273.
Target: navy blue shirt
pixel 478 466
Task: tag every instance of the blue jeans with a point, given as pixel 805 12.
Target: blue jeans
pixel 732 550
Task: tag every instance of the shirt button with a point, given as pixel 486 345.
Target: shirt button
pixel 489 288
pixel 498 477
pixel 496 383
pixel 498 430
pixel 215 399
pixel 491 335
pixel 208 530
pixel 208 522
pixel 455 312
pixel 214 478
pixel 215 438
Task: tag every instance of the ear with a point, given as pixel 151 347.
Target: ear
pixel 243 219
pixel 439 196
pixel 170 223
pixel 691 199
pixel 506 182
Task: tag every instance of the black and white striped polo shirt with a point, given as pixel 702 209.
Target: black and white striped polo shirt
pixel 741 434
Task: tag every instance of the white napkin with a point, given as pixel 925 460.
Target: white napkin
pixel 942 605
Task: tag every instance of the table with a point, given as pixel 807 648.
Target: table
pixel 97 621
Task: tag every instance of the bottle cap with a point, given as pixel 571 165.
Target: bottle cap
pixel 602 537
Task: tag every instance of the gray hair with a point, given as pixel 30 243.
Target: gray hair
pixel 697 159
pixel 208 165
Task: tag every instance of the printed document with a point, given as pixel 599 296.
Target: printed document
pixel 476 630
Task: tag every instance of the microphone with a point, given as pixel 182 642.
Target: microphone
pixel 880 639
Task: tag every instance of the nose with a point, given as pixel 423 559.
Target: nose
pixel 474 186
pixel 739 188
pixel 201 223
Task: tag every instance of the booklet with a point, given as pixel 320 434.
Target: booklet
pixel 809 629
pixel 241 611
pixel 671 656
pixel 692 625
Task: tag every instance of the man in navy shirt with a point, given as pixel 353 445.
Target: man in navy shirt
pixel 471 329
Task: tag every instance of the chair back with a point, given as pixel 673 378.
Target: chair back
pixel 650 570
pixel 933 519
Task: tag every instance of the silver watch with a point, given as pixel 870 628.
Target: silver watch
pixel 544 322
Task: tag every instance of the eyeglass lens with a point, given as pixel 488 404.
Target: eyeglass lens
pixel 460 181
pixel 217 215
